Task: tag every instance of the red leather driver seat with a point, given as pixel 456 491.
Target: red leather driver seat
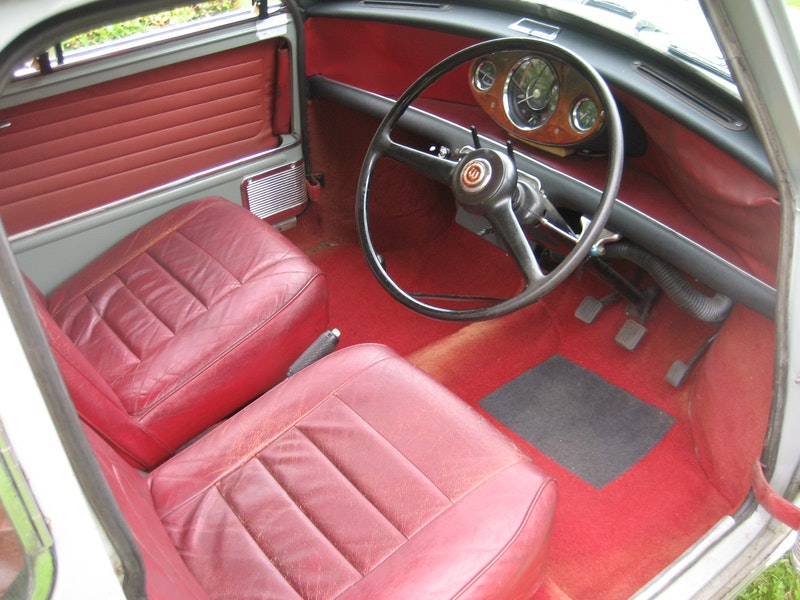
pixel 181 323
pixel 359 477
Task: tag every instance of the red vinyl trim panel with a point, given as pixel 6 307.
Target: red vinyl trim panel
pixel 83 149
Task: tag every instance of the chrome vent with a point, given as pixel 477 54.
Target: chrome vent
pixel 536 29
pixel 278 194
pixel 405 4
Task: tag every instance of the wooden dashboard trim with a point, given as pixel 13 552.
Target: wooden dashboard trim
pixel 558 131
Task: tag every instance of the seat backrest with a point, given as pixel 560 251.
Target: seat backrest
pixel 180 324
pixel 95 401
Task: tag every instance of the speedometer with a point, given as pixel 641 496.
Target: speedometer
pixel 531 93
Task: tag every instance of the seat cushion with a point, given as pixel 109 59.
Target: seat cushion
pixel 182 323
pixel 359 477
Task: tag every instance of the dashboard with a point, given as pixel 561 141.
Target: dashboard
pixel 537 98
pixel 697 190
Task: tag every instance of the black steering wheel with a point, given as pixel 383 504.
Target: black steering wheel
pixel 484 182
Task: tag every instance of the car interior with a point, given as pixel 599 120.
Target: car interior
pixel 549 256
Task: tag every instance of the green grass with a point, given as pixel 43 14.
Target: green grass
pixel 779 582
pixel 152 22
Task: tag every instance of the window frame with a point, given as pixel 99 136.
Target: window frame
pixel 55 59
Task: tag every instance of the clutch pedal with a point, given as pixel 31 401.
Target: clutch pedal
pixel 591 307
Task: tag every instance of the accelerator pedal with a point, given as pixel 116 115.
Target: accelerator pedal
pixel 679 370
pixel 322 346
pixel 630 334
pixel 677 373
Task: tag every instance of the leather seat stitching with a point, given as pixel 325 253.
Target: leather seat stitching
pixel 529 511
pixel 202 367
pixel 299 429
pixel 210 256
pixel 240 519
pixel 112 400
pixel 165 267
pixel 546 483
pixel 246 335
pixel 101 318
pixel 243 459
pixel 144 304
pixel 127 258
pixel 393 447
pixel 305 514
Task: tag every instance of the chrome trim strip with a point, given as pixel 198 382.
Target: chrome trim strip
pixel 138 60
pixel 657 585
pixel 287 143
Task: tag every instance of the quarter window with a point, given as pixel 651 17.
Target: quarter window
pixel 143 31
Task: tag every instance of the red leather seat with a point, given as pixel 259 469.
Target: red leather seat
pixel 180 324
pixel 359 477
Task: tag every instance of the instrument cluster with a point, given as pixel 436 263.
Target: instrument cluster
pixel 538 99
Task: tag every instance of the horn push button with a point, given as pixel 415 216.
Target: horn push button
pixel 483 179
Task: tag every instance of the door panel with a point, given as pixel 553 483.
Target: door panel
pixel 81 150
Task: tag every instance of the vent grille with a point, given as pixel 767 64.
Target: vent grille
pixel 709 107
pixel 405 4
pixel 278 194
pixel 535 29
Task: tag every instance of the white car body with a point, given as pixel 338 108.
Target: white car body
pixel 762 51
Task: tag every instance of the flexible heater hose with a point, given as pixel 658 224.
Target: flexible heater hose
pixel 712 309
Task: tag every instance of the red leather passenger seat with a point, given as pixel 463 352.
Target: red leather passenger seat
pixel 180 324
pixel 359 477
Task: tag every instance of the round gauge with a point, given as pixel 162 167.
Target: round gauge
pixel 484 75
pixel 584 114
pixel 531 93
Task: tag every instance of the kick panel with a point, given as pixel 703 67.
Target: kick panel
pixel 278 194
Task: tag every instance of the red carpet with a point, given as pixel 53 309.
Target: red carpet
pixel 606 543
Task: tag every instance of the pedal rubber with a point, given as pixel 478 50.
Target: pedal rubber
pixel 589 309
pixel 630 334
pixel 677 373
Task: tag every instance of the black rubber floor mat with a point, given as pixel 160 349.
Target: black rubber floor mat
pixel 574 416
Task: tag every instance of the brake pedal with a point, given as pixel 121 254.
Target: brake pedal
pixel 322 346
pixel 630 334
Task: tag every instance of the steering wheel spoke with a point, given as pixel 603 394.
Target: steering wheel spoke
pixel 506 225
pixel 484 182
pixel 437 168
